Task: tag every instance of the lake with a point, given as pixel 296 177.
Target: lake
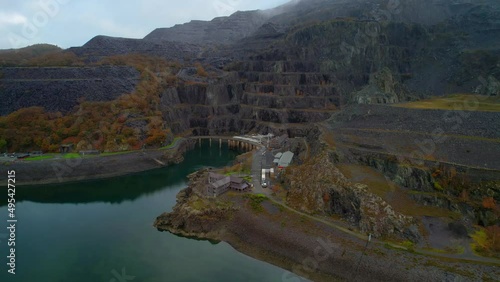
pixel 103 231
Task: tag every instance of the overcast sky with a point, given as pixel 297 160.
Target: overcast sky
pixel 69 23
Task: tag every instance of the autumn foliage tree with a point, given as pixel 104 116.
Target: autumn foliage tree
pixel 487 241
pixel 200 70
pixel 104 126
pixel 489 203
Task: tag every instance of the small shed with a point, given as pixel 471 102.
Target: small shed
pixel 286 159
pixel 66 148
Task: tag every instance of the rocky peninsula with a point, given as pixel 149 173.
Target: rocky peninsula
pixel 309 247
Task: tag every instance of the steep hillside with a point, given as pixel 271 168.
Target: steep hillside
pixel 222 30
pixel 282 69
pixel 15 57
pixel 330 71
pixel 59 89
pixel 100 47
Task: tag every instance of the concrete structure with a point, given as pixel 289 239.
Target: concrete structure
pixel 219 184
pixel 277 158
pixel 247 143
pixel 89 152
pixel 285 160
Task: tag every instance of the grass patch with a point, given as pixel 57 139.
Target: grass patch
pixel 198 204
pixel 40 158
pixel 171 144
pixel 389 191
pixel 409 246
pixel 457 102
pixel 398 198
pixel 394 247
pixel 369 176
pixel 71 156
pixel 256 201
pixel 114 153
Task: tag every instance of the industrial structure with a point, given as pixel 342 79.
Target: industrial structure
pixel 219 184
pixel 283 160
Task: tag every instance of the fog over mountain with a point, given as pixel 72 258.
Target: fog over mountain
pixel 71 23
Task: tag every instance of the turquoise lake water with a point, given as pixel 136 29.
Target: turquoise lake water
pixel 103 230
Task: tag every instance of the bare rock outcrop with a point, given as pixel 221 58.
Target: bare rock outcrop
pixel 189 219
pixel 318 187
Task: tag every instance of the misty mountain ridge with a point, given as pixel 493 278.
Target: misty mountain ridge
pixel 379 51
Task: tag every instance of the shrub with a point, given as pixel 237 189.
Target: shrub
pixel 489 203
pixel 256 200
pixel 486 241
pixel 409 246
pixel 200 70
pixel 438 186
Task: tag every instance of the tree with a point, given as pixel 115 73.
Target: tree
pixel 200 70
pixel 489 203
pixel 3 144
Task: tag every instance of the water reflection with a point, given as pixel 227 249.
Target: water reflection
pixel 126 188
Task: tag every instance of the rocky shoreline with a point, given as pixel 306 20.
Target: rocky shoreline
pixel 90 168
pixel 306 248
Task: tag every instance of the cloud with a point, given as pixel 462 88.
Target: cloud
pixel 76 22
pixel 103 25
pixel 12 19
pixel 111 28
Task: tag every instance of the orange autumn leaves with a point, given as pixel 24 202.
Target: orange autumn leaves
pixel 130 122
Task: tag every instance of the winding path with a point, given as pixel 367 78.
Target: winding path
pixel 256 174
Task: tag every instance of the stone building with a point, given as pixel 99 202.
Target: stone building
pixel 219 184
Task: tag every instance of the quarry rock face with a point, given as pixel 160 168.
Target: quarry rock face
pixel 105 46
pixel 220 30
pixel 319 187
pixel 61 89
pixel 282 70
pixel 297 63
pixel 382 89
pixel 489 87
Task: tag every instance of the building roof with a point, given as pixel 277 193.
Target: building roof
pixel 286 159
pixel 236 179
pixel 216 175
pixel 278 155
pixel 221 182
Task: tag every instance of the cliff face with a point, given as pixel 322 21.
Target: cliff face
pixel 310 57
pixel 297 64
pixel 222 30
pixel 60 89
pixel 319 187
pixel 266 102
pixel 105 46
